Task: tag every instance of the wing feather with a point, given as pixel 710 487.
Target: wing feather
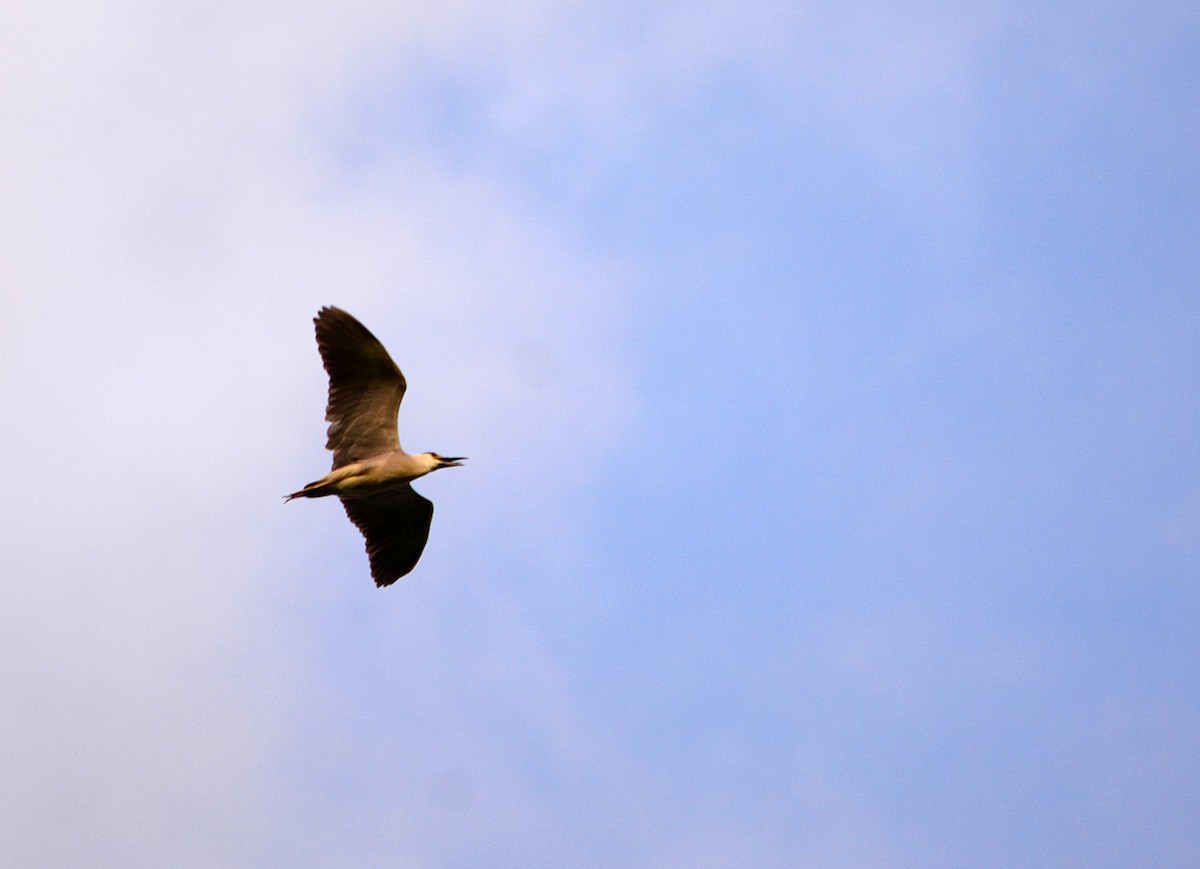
pixel 396 527
pixel 365 389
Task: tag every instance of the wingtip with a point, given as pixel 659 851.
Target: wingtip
pixel 324 312
pixel 328 311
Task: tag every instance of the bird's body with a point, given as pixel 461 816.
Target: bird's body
pixel 371 472
pixel 371 476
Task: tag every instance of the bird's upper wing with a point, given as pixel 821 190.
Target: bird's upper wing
pixel 365 388
pixel 396 526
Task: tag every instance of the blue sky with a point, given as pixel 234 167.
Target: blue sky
pixel 829 378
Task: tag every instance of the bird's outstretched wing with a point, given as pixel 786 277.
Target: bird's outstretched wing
pixel 396 526
pixel 365 388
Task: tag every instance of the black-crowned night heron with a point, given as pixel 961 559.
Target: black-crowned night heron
pixel 371 473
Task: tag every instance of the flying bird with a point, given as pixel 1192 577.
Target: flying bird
pixel 371 473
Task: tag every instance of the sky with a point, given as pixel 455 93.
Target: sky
pixel 829 376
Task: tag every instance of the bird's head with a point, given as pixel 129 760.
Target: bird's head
pixel 435 461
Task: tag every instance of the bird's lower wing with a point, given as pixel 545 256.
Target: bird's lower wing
pixel 396 527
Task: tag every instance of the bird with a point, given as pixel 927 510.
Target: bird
pixel 371 473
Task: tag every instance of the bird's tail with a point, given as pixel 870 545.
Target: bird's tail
pixel 312 490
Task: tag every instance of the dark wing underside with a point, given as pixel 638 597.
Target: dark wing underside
pixel 396 526
pixel 365 389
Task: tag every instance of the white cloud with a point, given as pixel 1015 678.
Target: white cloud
pixel 170 225
pixel 169 232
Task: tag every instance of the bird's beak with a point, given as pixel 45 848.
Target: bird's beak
pixel 452 461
